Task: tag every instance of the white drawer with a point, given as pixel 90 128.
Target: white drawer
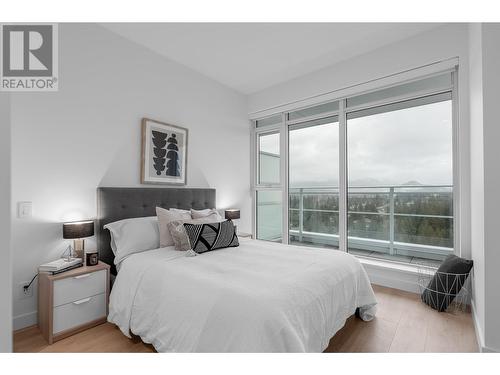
pixel 75 288
pixel 79 312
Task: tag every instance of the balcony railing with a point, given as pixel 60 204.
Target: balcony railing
pixel 404 220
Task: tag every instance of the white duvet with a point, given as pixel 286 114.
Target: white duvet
pixel 258 297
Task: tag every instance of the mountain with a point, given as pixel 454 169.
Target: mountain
pixel 414 183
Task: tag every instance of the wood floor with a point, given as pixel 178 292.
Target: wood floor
pixel 403 324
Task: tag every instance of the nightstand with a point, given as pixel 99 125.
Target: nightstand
pixel 244 235
pixel 72 301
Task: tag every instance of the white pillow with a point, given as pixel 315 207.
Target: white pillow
pixel 135 235
pixel 198 214
pixel 180 211
pixel 165 217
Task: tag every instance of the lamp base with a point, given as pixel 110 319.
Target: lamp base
pixel 79 248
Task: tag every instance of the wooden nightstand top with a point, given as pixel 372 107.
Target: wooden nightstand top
pixel 77 271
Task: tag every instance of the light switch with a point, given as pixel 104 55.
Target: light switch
pixel 24 210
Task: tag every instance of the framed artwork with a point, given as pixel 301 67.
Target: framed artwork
pixel 164 153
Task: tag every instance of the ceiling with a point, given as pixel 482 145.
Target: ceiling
pixel 250 57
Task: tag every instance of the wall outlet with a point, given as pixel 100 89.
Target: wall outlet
pixel 24 210
pixel 25 293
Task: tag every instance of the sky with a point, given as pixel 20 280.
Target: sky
pixel 393 148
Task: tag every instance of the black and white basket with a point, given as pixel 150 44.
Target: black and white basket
pixel 457 289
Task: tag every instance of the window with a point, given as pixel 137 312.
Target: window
pixel 273 120
pixel 268 194
pixel 436 83
pixel 313 111
pixel 313 182
pixel 269 158
pixel 400 181
pixel 392 148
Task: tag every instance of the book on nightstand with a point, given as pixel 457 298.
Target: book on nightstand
pixel 60 265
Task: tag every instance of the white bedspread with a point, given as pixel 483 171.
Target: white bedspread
pixel 258 297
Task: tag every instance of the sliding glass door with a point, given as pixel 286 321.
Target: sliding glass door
pixel 313 182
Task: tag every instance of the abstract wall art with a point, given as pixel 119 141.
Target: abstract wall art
pixel 164 153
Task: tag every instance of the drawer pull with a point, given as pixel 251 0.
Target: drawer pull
pixel 82 276
pixel 81 301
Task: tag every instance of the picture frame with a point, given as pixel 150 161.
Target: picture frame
pixel 164 153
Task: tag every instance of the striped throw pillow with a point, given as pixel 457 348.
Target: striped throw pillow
pixel 211 236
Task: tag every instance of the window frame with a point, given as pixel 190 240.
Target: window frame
pixel 342 118
pixel 256 133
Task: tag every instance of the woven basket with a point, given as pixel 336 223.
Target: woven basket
pixel 457 286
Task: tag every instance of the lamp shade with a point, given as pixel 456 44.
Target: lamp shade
pixel 78 229
pixel 232 214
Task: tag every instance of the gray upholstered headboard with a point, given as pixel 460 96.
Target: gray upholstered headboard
pixel 123 203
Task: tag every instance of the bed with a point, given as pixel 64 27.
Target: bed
pixel 258 297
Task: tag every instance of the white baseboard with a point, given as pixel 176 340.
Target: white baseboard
pixel 392 275
pixel 477 327
pixel 479 333
pixel 25 320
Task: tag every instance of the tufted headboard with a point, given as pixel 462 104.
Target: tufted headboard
pixel 115 204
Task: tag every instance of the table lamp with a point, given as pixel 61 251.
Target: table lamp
pixel 77 231
pixel 232 214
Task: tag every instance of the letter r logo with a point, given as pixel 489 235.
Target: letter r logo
pixel 27 50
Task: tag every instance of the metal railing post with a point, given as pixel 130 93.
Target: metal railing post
pixel 391 220
pixel 301 213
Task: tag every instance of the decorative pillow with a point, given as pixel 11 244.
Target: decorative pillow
pixel 198 214
pixel 179 235
pixel 180 211
pixel 131 236
pixel 165 217
pixel 211 236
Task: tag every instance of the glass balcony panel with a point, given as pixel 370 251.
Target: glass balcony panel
pixel 372 226
pixel 294 221
pixel 323 222
pixel 368 200
pixel 431 231
pixel 294 201
pixel 424 201
pixel 326 200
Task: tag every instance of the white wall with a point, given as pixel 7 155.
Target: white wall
pixel 66 144
pixel 485 180
pixel 5 251
pixel 491 137
pixel 477 175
